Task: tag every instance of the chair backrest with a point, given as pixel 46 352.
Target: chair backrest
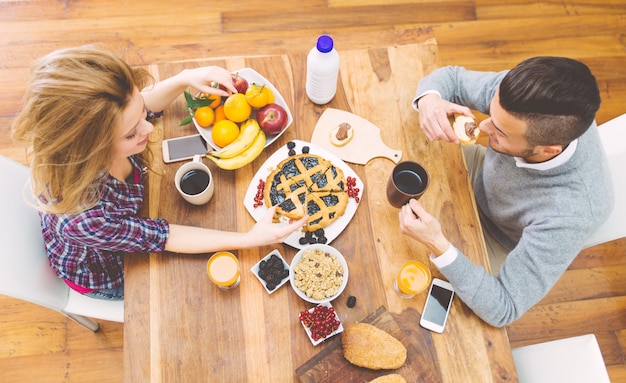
pixel 571 360
pixel 613 135
pixel 25 272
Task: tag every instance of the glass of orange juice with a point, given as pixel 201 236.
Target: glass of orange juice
pixel 413 277
pixel 223 270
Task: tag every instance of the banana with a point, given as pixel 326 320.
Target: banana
pixel 245 157
pixel 249 131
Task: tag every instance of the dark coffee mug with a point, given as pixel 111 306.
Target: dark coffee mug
pixel 407 180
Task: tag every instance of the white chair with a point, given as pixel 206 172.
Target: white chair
pixel 613 135
pixel 25 272
pixel 570 360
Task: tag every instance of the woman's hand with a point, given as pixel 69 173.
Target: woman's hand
pixel 265 232
pixel 418 224
pixel 434 113
pixel 202 79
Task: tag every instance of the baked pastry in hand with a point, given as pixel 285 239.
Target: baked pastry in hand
pixel 365 345
pixel 466 129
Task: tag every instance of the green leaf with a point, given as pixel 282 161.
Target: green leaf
pixel 186 120
pixel 188 97
pixel 196 103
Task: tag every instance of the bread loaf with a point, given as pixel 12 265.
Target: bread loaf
pixel 365 345
pixel 391 378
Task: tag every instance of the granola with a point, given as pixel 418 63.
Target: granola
pixel 318 274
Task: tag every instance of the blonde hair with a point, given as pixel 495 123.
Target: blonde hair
pixel 73 106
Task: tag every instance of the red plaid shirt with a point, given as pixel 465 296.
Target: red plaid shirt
pixel 88 248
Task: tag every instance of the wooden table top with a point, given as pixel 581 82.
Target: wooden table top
pixel 179 327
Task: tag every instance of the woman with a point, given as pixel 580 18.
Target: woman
pixel 84 122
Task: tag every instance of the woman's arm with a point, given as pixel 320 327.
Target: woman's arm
pixel 194 240
pixel 161 94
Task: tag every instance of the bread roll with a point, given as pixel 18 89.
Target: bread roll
pixel 365 345
pixel 391 378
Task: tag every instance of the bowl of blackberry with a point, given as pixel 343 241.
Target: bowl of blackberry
pixel 272 271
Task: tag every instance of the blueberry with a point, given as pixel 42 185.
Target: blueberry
pixel 303 240
pixel 305 149
pixel 351 301
pixel 291 145
pixel 292 152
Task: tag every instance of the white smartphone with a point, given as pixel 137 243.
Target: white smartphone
pixel 437 306
pixel 183 148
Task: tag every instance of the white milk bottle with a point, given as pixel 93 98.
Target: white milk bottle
pixel 322 69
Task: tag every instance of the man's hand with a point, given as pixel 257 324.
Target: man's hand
pixel 418 224
pixel 434 113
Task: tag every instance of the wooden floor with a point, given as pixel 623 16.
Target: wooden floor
pixel 39 346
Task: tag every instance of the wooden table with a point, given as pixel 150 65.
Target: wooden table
pixel 181 328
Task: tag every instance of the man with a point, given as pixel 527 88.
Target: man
pixel 542 185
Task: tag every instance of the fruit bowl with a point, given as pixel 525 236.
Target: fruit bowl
pixel 251 76
pixel 324 270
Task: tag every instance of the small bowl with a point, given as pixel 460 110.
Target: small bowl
pixel 255 270
pixel 326 249
pixel 308 330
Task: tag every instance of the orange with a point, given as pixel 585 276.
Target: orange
pixel 224 132
pixel 219 113
pixel 204 116
pixel 236 108
pixel 259 95
pixel 216 100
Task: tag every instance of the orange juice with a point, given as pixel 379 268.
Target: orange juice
pixel 223 269
pixel 413 277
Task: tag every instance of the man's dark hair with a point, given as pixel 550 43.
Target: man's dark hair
pixel 557 97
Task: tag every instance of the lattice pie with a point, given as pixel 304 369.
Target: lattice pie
pixel 307 184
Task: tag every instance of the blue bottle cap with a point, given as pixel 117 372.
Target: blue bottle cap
pixel 325 44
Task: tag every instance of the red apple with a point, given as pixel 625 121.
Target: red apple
pixel 240 83
pixel 272 118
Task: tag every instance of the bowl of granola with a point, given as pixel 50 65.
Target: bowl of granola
pixel 318 273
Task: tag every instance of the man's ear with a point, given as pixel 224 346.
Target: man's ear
pixel 550 150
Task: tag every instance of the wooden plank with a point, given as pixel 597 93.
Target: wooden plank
pixel 565 319
pixel 35 337
pixel 588 283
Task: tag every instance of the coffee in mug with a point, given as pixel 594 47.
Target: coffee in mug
pixel 194 181
pixel 407 180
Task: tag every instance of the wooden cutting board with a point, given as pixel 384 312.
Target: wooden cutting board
pixel 364 145
pixel 330 366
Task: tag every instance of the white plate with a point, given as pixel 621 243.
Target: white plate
pixel 327 249
pixel 255 270
pixel 252 76
pixel 308 331
pixel 333 230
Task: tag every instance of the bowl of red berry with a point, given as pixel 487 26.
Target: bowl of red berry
pixel 320 323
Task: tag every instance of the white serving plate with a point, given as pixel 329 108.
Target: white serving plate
pixel 308 331
pixel 255 270
pixel 251 76
pixel 333 230
pixel 326 249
